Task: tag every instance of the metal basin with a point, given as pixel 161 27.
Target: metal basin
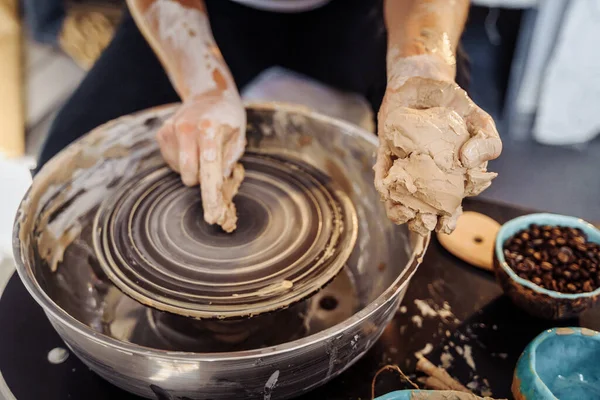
pixel 155 354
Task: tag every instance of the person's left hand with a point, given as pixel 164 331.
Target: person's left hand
pixel 434 147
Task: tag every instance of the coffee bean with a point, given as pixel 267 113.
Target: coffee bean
pixel 555 257
pixel 572 232
pixel 585 274
pixel 547 277
pixel 564 254
pixel 585 263
pixel 574 267
pixel 521 267
pixel 556 232
pixel 546 266
pixel 581 247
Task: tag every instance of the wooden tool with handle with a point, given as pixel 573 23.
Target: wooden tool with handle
pixel 473 239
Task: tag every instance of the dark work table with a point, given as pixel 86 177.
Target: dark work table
pixel 452 311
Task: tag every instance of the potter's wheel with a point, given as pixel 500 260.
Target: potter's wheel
pixel 296 229
pixel 115 250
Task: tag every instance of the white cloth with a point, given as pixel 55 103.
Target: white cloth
pixel 283 5
pixel 568 104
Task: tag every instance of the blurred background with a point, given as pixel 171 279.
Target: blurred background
pixel 535 67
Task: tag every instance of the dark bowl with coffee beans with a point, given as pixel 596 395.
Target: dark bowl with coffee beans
pixel 549 264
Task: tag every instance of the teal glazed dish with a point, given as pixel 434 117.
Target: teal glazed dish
pixel 429 395
pixel 560 363
pixel 538 301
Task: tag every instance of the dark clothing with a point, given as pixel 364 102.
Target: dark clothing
pixel 44 19
pixel 342 44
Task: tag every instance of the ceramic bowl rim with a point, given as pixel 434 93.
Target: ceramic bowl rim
pixel 531 349
pixel 406 394
pixel 55 311
pixel 516 224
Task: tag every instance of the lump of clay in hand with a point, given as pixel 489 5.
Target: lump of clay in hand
pixel 418 171
pixel 223 211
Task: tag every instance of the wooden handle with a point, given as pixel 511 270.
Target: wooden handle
pixel 473 239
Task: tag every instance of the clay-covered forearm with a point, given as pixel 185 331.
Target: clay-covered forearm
pixel 427 29
pixel 179 33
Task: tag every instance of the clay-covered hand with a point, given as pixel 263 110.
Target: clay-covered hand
pixel 434 147
pixel 203 141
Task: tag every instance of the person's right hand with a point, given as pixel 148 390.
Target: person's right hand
pixel 203 142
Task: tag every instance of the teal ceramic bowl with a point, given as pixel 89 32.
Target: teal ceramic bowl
pixel 534 299
pixel 400 395
pixel 561 363
pixel 422 395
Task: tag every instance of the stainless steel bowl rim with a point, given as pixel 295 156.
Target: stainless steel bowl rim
pixel 57 312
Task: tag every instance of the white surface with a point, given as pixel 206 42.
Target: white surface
pixel 506 3
pixel 5 393
pixel 569 103
pixel 15 178
pixel 283 5
pixel 51 77
pixel 279 84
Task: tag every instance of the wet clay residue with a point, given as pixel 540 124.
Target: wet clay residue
pixel 446 395
pixel 76 180
pixel 305 140
pixel 588 332
pixel 564 331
